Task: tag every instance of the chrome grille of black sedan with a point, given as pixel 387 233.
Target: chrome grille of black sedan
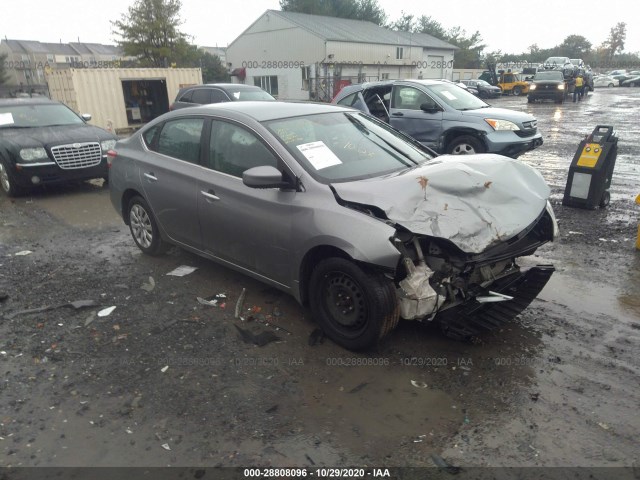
pixel 77 155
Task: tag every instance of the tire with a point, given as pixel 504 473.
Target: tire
pixel 354 308
pixel 560 100
pixel 530 100
pixel 8 182
pixel 144 228
pixel 606 198
pixel 465 145
pixel 610 85
pixel 517 90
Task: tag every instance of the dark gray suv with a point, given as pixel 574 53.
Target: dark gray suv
pixel 218 93
pixel 444 117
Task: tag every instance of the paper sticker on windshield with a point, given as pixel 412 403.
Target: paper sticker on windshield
pixel 449 95
pixel 6 119
pixel 319 155
pixel 236 95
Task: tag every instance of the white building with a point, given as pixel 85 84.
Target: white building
pixel 296 56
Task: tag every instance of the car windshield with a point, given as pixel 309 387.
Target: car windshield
pixel 483 83
pixel 548 76
pixel 37 116
pixel 246 95
pixel 341 147
pixel 456 97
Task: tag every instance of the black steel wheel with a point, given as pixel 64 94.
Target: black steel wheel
pixel 353 307
pixel 8 182
pixel 465 145
pixel 144 228
pixel 606 198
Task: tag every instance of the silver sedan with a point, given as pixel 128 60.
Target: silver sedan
pixel 356 220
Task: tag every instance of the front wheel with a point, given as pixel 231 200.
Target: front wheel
pixel 353 307
pixel 144 228
pixel 8 182
pixel 465 145
pixel 606 198
pixel 517 91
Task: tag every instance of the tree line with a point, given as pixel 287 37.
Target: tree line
pixel 150 31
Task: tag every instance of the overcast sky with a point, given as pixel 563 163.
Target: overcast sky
pixel 508 28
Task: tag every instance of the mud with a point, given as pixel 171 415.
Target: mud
pixel 558 387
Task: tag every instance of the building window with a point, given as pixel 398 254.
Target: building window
pixel 267 83
pixel 384 76
pixel 399 52
pixel 50 58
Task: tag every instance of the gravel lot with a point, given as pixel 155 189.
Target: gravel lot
pixel 164 380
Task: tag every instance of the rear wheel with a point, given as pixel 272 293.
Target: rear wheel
pixel 353 307
pixel 144 228
pixel 465 145
pixel 606 198
pixel 517 90
pixel 8 182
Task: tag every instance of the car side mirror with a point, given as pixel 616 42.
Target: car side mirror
pixel 429 108
pixel 265 176
pixel 86 117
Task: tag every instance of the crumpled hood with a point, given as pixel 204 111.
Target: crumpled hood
pixel 51 136
pixel 475 201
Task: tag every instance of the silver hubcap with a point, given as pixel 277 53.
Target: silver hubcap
pixel 463 149
pixel 141 226
pixel 4 178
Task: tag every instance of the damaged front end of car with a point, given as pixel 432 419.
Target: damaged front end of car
pixel 469 293
pixel 460 240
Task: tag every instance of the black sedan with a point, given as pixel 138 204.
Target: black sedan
pixel 484 88
pixel 43 142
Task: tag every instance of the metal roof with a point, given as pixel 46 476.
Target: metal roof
pixel 72 48
pixel 348 30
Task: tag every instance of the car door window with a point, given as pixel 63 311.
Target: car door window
pixel 187 96
pixel 201 96
pixel 218 96
pixel 181 139
pixel 410 98
pixel 234 149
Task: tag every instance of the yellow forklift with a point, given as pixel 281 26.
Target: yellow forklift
pixel 509 82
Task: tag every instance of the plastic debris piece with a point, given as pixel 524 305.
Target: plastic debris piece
pixel 575 233
pixel 129 431
pixel 106 311
pixel 418 384
pixel 316 337
pixel 182 270
pixel 359 387
pixel 260 339
pixel 223 305
pixel 164 369
pixel 149 286
pixel 204 301
pixel 23 253
pixel 166 446
pixel 440 462
pixel 76 304
pixel 221 295
pixel 603 425
pixel 240 302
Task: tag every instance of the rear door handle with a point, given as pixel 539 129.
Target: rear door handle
pixel 151 177
pixel 209 195
pixel 398 114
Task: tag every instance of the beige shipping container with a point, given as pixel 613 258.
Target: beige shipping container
pixel 120 99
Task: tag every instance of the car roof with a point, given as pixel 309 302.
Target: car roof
pixel 10 102
pixel 387 83
pixel 224 86
pixel 263 111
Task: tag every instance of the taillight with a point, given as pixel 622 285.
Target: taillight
pixel 111 154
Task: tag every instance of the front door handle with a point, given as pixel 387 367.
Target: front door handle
pixel 151 177
pixel 210 195
pixel 398 114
